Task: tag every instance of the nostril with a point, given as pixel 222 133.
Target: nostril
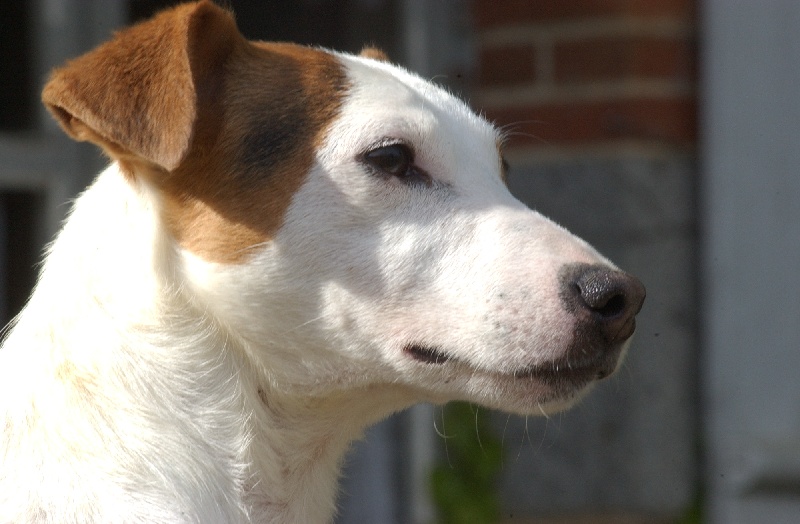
pixel 613 307
pixel 611 298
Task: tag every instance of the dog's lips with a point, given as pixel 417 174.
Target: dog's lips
pixel 553 373
pixel 427 354
pixel 561 371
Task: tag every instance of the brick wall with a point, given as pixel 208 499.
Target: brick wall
pixel 599 100
pixel 588 73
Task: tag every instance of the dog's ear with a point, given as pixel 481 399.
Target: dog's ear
pixel 374 53
pixel 137 96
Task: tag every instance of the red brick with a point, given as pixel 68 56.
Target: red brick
pixel 493 13
pixel 507 65
pixel 667 121
pixel 633 57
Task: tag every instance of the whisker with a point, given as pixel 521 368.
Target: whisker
pixel 522 442
pixel 523 134
pixel 436 428
pixel 506 127
pixel 510 130
pixel 444 437
pixel 503 441
pixel 542 411
pixel 477 429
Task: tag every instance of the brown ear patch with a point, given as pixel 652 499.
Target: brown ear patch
pixel 137 95
pixel 224 128
pixel 231 195
pixel 375 54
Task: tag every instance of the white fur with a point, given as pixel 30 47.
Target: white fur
pixel 145 384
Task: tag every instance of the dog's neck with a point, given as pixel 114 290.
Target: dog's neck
pixel 298 450
pixel 214 411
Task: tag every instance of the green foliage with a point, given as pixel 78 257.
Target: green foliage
pixel 463 483
pixel 694 514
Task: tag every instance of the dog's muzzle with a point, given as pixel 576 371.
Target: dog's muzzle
pixel 603 303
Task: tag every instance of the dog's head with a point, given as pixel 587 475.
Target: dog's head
pixel 344 220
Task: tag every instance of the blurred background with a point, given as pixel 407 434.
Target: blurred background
pixel 665 132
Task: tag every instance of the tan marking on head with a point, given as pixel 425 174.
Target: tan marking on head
pixel 226 129
pixel 374 53
pixel 231 195
pixel 504 166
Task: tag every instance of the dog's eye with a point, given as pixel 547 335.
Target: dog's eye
pixel 397 160
pixel 394 159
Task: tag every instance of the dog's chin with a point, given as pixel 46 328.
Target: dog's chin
pixel 540 388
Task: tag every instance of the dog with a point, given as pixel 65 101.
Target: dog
pixel 290 244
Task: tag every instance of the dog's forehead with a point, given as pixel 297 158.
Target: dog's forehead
pixel 392 90
pixel 283 103
pixel 388 102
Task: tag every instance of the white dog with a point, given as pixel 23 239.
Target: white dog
pixel 290 244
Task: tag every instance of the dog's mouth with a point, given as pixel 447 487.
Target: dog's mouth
pixel 555 373
pixel 426 354
pixel 568 371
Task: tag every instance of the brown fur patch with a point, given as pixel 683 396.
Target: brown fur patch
pixel 135 95
pixel 232 191
pixel 504 167
pixel 226 129
pixel 374 53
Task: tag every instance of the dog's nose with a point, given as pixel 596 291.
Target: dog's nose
pixel 611 299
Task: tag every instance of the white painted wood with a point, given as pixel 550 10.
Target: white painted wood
pixel 751 132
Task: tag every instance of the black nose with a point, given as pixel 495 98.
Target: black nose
pixel 604 297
